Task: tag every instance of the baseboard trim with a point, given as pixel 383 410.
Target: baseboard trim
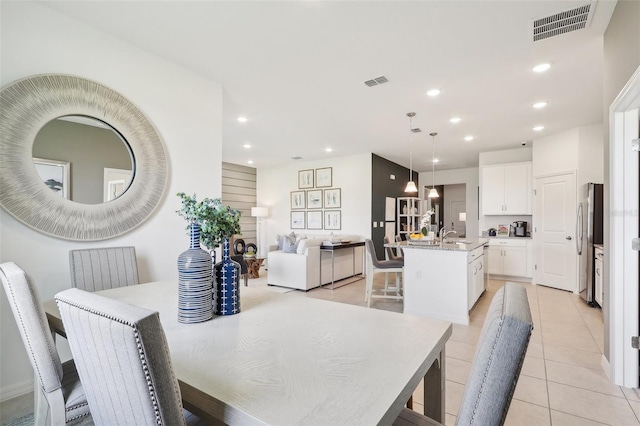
pixel 604 362
pixel 14 391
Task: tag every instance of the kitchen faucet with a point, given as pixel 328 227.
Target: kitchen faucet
pixel 443 234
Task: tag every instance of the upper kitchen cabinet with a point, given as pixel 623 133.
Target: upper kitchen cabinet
pixel 506 189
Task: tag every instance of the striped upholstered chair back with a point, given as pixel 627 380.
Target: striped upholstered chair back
pixel 123 360
pixel 497 363
pixel 103 268
pixel 64 397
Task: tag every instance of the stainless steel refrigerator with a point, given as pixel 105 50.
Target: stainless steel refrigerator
pixel 589 224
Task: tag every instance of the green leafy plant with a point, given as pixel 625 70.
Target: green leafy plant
pixel 216 220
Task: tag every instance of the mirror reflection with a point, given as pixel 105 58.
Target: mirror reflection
pixel 83 159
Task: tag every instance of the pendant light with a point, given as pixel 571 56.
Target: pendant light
pixel 411 185
pixel 433 192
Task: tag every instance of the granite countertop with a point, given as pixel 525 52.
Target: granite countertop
pixel 451 244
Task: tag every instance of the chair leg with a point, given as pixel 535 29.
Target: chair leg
pixel 246 280
pixel 368 288
pixel 40 405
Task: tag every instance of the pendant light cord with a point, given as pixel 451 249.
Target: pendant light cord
pixel 410 146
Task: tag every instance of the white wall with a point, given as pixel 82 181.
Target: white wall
pixel 556 153
pixel 186 110
pixel 351 174
pixel 467 176
pixel 516 155
pixel 591 154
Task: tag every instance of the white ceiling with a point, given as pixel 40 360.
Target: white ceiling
pixel 297 70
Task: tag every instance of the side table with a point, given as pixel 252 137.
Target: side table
pixel 253 266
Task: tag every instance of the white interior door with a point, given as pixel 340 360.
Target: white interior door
pixel 556 257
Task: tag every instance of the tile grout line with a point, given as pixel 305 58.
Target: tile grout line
pixel 544 358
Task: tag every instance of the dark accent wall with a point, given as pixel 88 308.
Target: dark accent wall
pixel 382 186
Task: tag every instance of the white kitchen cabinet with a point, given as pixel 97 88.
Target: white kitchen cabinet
pixel 599 271
pixel 506 189
pixel 508 257
pixel 475 279
pixel 443 283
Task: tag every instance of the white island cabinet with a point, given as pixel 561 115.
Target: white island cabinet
pixel 443 282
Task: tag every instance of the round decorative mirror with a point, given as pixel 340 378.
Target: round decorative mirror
pixel 102 161
pixel 78 161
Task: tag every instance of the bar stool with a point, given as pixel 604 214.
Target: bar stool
pixel 374 265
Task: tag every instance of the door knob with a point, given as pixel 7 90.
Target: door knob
pixel 568 237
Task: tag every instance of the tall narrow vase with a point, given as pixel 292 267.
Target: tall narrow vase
pixel 226 298
pixel 194 281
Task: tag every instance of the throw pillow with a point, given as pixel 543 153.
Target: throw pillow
pixel 289 246
pixel 282 238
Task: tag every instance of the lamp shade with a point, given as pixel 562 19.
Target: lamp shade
pixel 411 187
pixel 259 211
pixel 433 193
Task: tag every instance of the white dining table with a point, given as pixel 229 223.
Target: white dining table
pixel 287 359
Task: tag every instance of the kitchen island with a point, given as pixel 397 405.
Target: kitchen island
pixel 443 281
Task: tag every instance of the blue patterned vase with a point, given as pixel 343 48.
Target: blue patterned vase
pixel 226 299
pixel 194 281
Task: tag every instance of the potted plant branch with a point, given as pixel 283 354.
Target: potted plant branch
pixel 217 221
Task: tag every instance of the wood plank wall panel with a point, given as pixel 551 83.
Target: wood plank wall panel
pixel 239 192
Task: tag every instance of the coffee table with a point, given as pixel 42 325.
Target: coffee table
pixel 253 266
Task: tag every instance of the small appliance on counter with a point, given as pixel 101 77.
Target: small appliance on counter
pixel 520 228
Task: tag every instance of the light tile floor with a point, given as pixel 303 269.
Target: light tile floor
pixel 561 383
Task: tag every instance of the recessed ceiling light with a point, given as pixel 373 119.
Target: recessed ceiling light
pixel 455 120
pixel 328 150
pixel 539 105
pixel 242 119
pixel 249 161
pixel 433 92
pixel 246 146
pixel 538 128
pixel 468 138
pixel 542 67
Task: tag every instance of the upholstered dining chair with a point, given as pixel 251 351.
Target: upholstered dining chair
pixel 374 265
pixel 56 382
pixel 123 360
pixel 496 365
pixel 98 269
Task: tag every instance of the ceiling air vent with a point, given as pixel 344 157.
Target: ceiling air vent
pixel 563 22
pixel 376 81
pixel 296 158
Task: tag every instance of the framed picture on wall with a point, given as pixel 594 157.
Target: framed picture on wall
pixel 323 177
pixel 298 200
pixel 314 199
pixel 314 220
pixel 332 219
pixel 305 179
pixel 297 220
pixel 54 174
pixel 332 198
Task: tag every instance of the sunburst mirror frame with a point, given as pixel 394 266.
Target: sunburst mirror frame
pixel 25 107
